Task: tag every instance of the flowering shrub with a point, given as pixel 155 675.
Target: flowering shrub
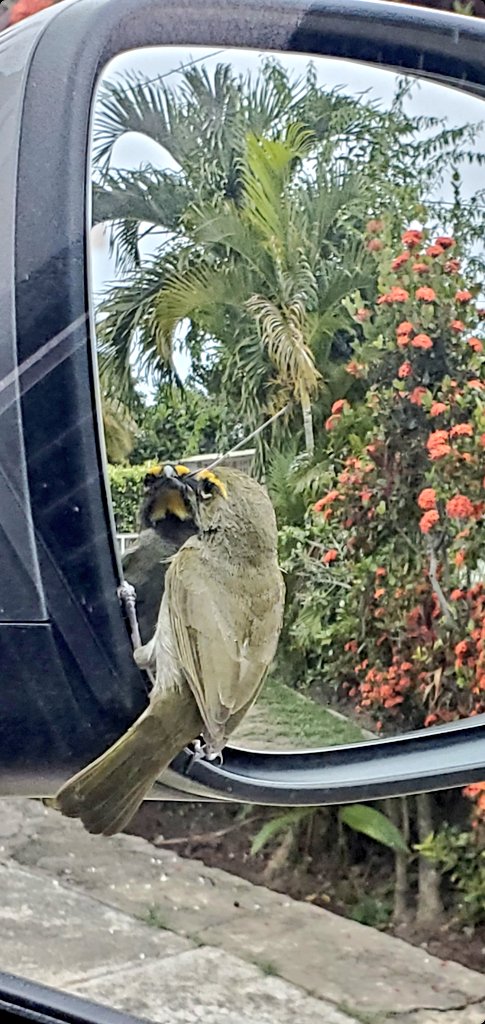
pixel 398 609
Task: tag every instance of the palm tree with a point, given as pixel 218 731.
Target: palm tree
pixel 268 260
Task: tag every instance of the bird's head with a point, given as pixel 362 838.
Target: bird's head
pixel 165 497
pixel 231 505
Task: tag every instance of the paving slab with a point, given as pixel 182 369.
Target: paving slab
pixel 209 986
pixel 344 961
pixel 345 966
pixel 55 936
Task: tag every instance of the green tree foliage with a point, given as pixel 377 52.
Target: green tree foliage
pixel 262 226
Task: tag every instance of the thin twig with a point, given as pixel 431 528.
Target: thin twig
pixel 433 566
pixel 205 837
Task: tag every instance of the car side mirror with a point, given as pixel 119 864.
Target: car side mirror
pixel 70 686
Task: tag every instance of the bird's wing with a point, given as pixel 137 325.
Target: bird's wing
pixel 225 642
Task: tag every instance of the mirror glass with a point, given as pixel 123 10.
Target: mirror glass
pixel 280 234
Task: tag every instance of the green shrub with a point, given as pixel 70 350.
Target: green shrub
pixel 126 486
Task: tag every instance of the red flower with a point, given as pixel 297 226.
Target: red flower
pixel 463 295
pixel 476 385
pixel 422 340
pixel 416 396
pixel 457 325
pixel 462 430
pixel 354 368
pixel 475 344
pixel 460 557
pixel 461 648
pixel 459 507
pixel 426 294
pixel 330 556
pixel 405 370
pixel 430 720
pixel 437 444
pixel 374 245
pixel 362 314
pixel 437 408
pixel 331 423
pixel 327 500
pixel 380 571
pixel 374 226
pixel 456 595
pixel 420 268
pixel 405 327
pixel 400 260
pixel 445 241
pixel 395 294
pixel 452 266
pixel 434 250
pixel 412 238
pixel 339 406
pixel 429 520
pixel 427 499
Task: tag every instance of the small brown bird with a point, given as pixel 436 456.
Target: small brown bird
pixel 216 636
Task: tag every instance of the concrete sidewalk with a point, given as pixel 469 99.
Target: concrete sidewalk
pixel 147 931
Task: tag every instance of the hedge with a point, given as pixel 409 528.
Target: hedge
pixel 126 492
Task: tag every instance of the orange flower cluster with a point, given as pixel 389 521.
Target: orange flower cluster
pixel 395 294
pixel 460 507
pixel 400 260
pixel 428 520
pixel 405 370
pixel 338 407
pixel 327 500
pixel 426 294
pixel 412 238
pixel 330 556
pixel 422 341
pixel 427 499
pixel 437 408
pixel 476 792
pixel 438 444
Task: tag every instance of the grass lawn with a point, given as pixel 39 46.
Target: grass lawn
pixel 284 719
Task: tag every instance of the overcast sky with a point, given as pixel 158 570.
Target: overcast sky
pixel 133 150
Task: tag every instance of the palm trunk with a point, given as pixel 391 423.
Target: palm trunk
pixel 306 408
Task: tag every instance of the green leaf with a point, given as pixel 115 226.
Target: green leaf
pixel 374 824
pixel 279 824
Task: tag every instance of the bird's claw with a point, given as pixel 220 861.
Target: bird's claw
pixel 203 751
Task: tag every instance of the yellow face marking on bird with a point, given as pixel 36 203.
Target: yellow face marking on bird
pixel 207 474
pixel 181 470
pixel 169 502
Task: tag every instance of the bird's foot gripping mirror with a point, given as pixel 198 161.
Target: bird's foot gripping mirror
pixel 246 216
